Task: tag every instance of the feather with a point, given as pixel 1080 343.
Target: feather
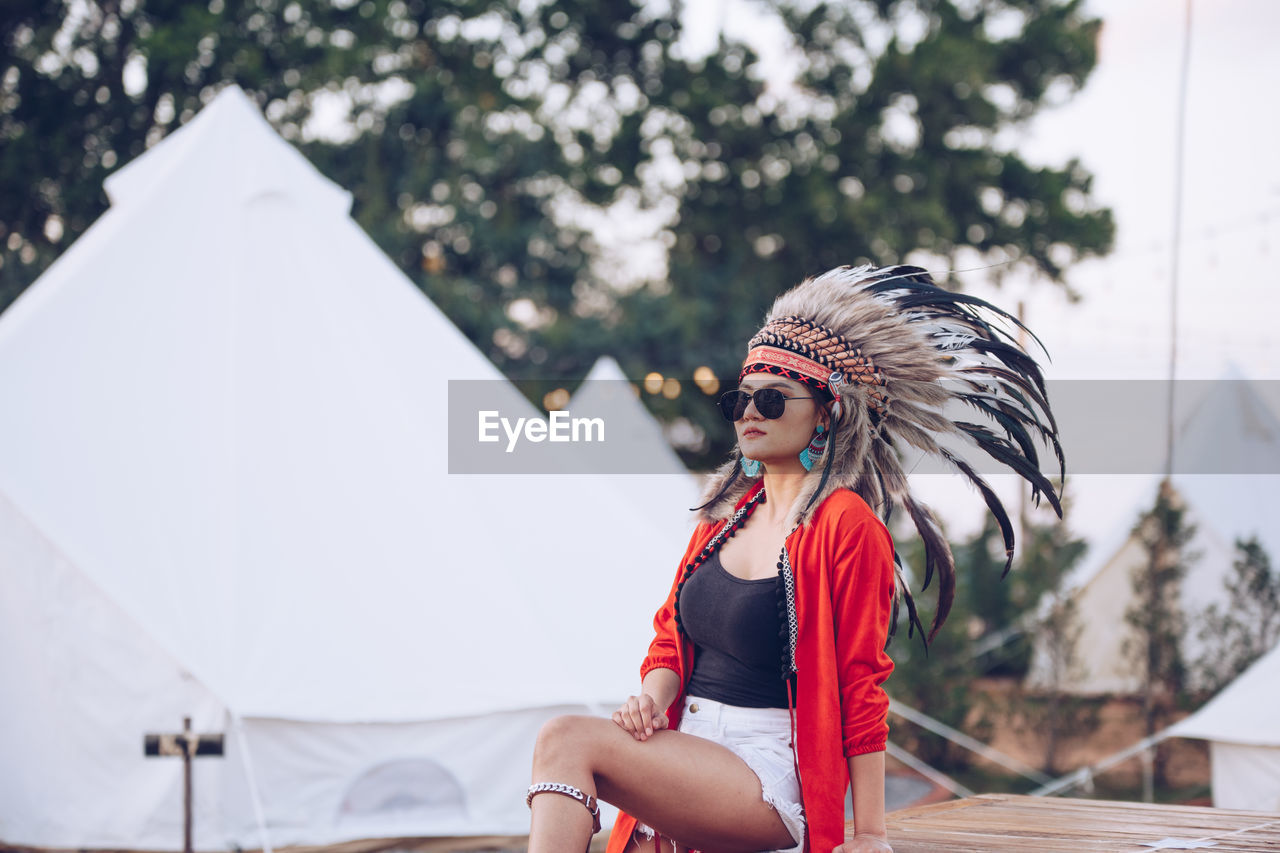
pixel 1021 385
pixel 1016 420
pixel 903 594
pixel 917 292
pixel 1003 452
pixel 937 558
pixel 993 504
pixel 1010 422
pixel 908 350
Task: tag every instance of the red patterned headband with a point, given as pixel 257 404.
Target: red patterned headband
pixel 807 352
pixel 786 363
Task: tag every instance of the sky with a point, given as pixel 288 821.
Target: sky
pixel 1123 126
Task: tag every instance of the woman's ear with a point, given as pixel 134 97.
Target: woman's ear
pixel 824 417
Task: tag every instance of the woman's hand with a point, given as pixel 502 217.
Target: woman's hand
pixel 865 843
pixel 640 716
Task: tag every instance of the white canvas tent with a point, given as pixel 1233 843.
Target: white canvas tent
pixel 1243 730
pixel 606 388
pixel 224 493
pixel 655 474
pixel 1232 425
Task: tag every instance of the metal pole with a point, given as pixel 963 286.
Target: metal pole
pixel 188 752
pixel 1024 498
pixel 1148 774
pixel 1179 138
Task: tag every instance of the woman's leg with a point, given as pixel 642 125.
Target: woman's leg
pixel 688 788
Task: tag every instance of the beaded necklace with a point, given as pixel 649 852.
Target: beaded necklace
pixel 786 586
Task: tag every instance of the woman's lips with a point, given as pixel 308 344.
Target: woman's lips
pixel 752 431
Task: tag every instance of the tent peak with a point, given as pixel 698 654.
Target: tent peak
pixel 606 368
pixel 238 152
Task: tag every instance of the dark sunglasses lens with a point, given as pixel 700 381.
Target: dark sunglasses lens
pixel 733 405
pixel 770 402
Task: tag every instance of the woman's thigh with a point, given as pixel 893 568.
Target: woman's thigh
pixel 687 787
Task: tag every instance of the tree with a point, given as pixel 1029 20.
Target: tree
pixel 942 681
pixel 885 144
pixel 939 681
pixel 986 588
pixel 1156 615
pixel 436 143
pixel 1248 627
pixel 484 140
pixel 1059 715
pixel 1005 606
pixel 1006 613
pixel 1051 552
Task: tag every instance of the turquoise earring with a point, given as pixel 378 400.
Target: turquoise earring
pixel 750 467
pixel 816 447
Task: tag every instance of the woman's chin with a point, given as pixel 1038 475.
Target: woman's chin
pixel 779 464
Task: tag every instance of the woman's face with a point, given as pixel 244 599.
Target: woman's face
pixel 778 442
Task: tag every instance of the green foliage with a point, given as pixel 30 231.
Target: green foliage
pixel 1156 616
pixel 1004 607
pixel 1050 553
pixel 1052 619
pixel 484 140
pixel 939 682
pixel 989 633
pixel 980 566
pixel 1237 635
pixel 887 146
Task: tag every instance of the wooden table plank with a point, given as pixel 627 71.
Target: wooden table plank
pixel 994 823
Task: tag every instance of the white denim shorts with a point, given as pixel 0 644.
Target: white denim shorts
pixel 762 738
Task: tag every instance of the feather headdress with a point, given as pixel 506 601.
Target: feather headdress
pixel 894 350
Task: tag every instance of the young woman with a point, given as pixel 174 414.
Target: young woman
pixel 761 702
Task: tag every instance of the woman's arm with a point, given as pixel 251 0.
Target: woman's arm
pixel 662 685
pixel 644 714
pixel 866 775
pixel 863 600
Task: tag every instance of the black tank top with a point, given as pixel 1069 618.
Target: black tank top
pixel 735 627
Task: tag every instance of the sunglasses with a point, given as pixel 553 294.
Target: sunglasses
pixel 770 403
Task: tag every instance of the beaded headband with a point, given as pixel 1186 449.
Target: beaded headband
pixel 800 349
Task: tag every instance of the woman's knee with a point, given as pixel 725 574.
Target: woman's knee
pixel 566 737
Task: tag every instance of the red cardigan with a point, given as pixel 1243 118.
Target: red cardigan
pixel 843 564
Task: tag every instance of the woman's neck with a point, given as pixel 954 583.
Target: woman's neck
pixel 781 490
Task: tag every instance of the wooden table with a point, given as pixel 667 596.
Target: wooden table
pixel 1001 822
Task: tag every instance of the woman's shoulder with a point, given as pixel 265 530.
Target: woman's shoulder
pixel 845 516
pixel 845 521
pixel 846 508
pixel 703 530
